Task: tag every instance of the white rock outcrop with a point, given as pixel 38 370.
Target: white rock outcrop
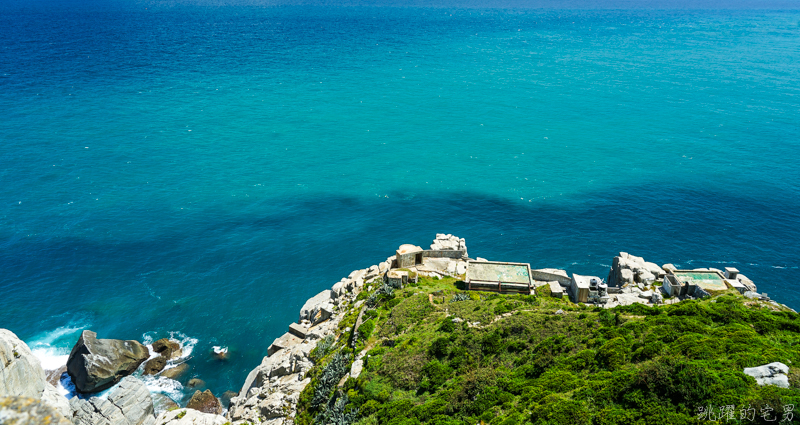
pixel 775 373
pixel 628 269
pixel 21 375
pixel 449 242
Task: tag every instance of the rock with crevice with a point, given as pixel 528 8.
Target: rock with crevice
pixel 129 403
pixel 98 364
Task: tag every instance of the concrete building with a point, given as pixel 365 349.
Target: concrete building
pixel 581 287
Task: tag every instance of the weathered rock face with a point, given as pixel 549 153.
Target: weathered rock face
pixel 189 417
pixel 21 373
pixel 770 374
pixel 205 402
pixel 129 403
pixel 97 364
pixel 154 365
pixel 54 376
pixel 171 350
pixel 29 411
pixel 312 307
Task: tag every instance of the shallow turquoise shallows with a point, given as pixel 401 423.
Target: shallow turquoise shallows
pixel 203 170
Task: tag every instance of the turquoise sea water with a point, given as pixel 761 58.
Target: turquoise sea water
pixel 202 170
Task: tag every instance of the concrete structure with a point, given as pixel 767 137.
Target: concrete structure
pixel 549 275
pixel 671 286
pixel 556 290
pixel 498 276
pixel 408 255
pixel 397 278
pixel 580 286
pixel 735 284
pixel 696 283
pixel 731 273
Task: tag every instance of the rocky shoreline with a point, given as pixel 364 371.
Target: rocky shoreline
pixel 271 391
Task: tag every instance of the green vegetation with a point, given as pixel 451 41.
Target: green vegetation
pixel 512 360
pixel 180 415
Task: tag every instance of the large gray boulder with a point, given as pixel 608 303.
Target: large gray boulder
pixel 128 404
pixel 21 374
pixel 98 364
pixel 29 411
pixel 189 417
pixel 770 374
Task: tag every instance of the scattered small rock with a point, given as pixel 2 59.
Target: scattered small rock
pixel 196 383
pixel 175 372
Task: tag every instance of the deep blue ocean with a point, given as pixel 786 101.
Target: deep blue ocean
pixel 201 169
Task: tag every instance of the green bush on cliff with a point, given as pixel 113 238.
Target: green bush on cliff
pixel 632 365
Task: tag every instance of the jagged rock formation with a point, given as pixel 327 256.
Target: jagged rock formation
pixel 167 348
pixel 629 269
pixel 449 242
pixel 205 402
pixel 29 411
pixel 97 364
pixel 189 417
pixel 129 404
pixel 21 374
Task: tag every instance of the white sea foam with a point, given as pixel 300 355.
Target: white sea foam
pixel 52 348
pixel 159 384
pixel 187 343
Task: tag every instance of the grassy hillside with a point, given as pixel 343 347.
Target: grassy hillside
pixel 515 359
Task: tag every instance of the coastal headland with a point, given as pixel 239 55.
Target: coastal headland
pixel 433 336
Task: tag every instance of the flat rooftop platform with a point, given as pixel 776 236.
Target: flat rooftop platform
pixel 499 276
pixel 709 281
